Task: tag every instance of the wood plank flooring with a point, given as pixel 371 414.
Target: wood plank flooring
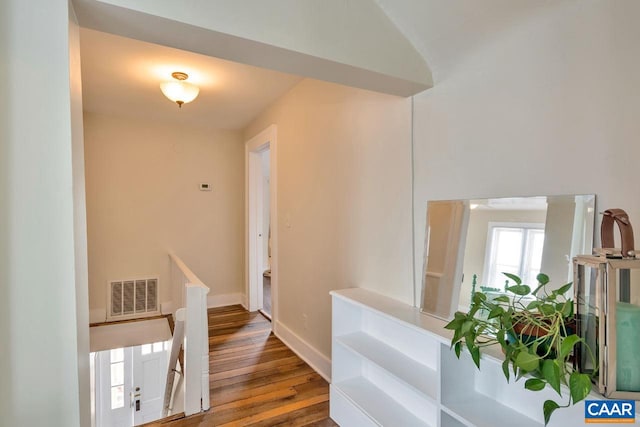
pixel 255 379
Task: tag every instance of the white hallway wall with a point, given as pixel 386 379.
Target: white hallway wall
pixel 79 220
pixel 43 314
pixel 143 201
pixel 548 107
pixel 344 189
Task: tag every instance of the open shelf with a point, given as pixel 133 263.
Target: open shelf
pixel 377 405
pixel 413 373
pixel 447 420
pixel 482 397
pixel 481 411
pixel 393 366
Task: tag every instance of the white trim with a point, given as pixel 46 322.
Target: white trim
pixel 273 213
pixel 222 300
pixel 266 138
pixel 256 233
pixel 318 361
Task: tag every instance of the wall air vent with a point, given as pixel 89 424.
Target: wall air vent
pixel 131 298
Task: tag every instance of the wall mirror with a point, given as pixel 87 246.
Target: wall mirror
pixel 470 243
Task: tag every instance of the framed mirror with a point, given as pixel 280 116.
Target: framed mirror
pixel 470 243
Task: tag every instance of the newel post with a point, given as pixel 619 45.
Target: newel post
pixel 196 350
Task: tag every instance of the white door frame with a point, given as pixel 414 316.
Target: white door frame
pixel 253 275
pixel 104 413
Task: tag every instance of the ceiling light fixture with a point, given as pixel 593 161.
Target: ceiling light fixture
pixel 178 90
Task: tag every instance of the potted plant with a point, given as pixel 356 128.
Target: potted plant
pixel 536 333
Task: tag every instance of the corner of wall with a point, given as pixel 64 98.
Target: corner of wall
pixel 225 299
pixel 318 361
pixel 166 307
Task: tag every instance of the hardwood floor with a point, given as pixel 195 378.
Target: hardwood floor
pixel 255 379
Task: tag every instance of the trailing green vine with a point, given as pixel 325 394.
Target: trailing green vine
pixel 534 330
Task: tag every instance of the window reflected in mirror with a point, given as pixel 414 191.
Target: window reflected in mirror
pixel 514 248
pixel 480 239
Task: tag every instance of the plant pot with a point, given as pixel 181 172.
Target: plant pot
pixel 529 334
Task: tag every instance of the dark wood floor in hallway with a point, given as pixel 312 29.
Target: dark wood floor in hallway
pixel 255 379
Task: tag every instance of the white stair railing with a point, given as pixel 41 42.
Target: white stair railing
pixel 189 293
pixel 181 276
pixel 176 345
pixel 196 351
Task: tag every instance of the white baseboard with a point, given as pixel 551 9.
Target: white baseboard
pixel 318 361
pixel 97 315
pixel 225 299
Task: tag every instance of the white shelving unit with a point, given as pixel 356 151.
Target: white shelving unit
pixel 380 407
pixel 448 421
pixel 412 373
pixel 381 378
pixel 393 366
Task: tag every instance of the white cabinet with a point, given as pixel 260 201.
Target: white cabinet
pixel 482 397
pixel 393 366
pixel 381 377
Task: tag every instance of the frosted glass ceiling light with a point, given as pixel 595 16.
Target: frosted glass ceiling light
pixel 178 90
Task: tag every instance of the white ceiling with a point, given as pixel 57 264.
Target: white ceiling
pixel 446 32
pixel 122 76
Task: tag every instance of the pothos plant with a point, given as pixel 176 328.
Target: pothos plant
pixel 536 333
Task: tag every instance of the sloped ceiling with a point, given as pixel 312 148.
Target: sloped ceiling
pixel 445 32
pixel 351 42
pixel 382 45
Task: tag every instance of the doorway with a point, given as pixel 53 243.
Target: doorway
pixel 129 384
pixel 261 223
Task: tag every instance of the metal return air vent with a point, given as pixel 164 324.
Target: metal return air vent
pixel 133 297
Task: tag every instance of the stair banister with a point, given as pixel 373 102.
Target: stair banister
pixel 176 345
